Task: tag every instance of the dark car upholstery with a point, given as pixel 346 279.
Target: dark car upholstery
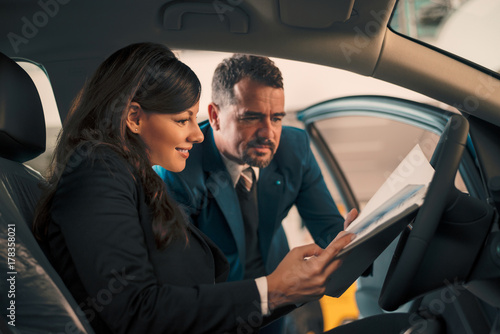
pixel 33 289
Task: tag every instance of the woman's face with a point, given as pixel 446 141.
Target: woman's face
pixel 169 137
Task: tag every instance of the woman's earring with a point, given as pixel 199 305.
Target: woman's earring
pixel 136 129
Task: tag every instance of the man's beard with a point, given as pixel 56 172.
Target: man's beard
pixel 257 160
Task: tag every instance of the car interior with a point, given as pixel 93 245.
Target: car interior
pixel 446 261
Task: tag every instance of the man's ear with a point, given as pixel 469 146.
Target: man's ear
pixel 213 116
pixel 135 115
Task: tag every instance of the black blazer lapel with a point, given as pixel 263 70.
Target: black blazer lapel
pixel 220 264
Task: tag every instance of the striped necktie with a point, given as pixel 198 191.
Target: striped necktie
pixel 247 177
pixel 246 189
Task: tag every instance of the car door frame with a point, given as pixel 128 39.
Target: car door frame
pixel 418 114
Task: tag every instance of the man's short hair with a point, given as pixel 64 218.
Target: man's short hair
pixel 231 70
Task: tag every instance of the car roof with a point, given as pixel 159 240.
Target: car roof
pixel 70 38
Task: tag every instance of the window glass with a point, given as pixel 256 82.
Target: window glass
pixel 305 83
pixel 368 149
pixel 467 28
pixel 52 120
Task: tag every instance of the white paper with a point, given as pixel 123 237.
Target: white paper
pixel 405 187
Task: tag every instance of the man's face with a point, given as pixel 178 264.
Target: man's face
pixel 250 130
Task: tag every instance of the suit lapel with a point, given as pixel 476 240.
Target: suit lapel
pixel 219 264
pixel 269 189
pixel 220 185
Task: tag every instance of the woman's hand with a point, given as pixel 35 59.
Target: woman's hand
pixel 304 272
pixel 351 215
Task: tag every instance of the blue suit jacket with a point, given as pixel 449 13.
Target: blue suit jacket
pixel 205 190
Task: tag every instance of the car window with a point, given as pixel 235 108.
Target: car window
pixel 304 83
pixel 369 148
pixel 52 120
pixel 466 28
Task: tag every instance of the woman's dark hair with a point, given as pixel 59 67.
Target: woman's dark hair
pixel 146 73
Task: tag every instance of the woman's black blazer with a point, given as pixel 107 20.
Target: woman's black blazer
pixel 102 245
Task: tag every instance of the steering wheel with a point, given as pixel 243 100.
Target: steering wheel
pixel 446 159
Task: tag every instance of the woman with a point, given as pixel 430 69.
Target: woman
pixel 122 246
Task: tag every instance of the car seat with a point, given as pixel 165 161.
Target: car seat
pixel 35 299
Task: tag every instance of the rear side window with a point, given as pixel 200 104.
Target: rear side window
pixel 52 120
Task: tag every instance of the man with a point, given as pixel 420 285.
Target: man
pixel 245 130
pixel 241 208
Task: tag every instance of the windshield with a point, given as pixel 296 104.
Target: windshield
pixel 466 28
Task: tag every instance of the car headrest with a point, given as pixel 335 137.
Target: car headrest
pixel 22 124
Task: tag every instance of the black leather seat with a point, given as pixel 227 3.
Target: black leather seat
pixel 34 298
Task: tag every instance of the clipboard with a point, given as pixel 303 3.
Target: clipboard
pixel 385 216
pixel 386 224
pixel 355 260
